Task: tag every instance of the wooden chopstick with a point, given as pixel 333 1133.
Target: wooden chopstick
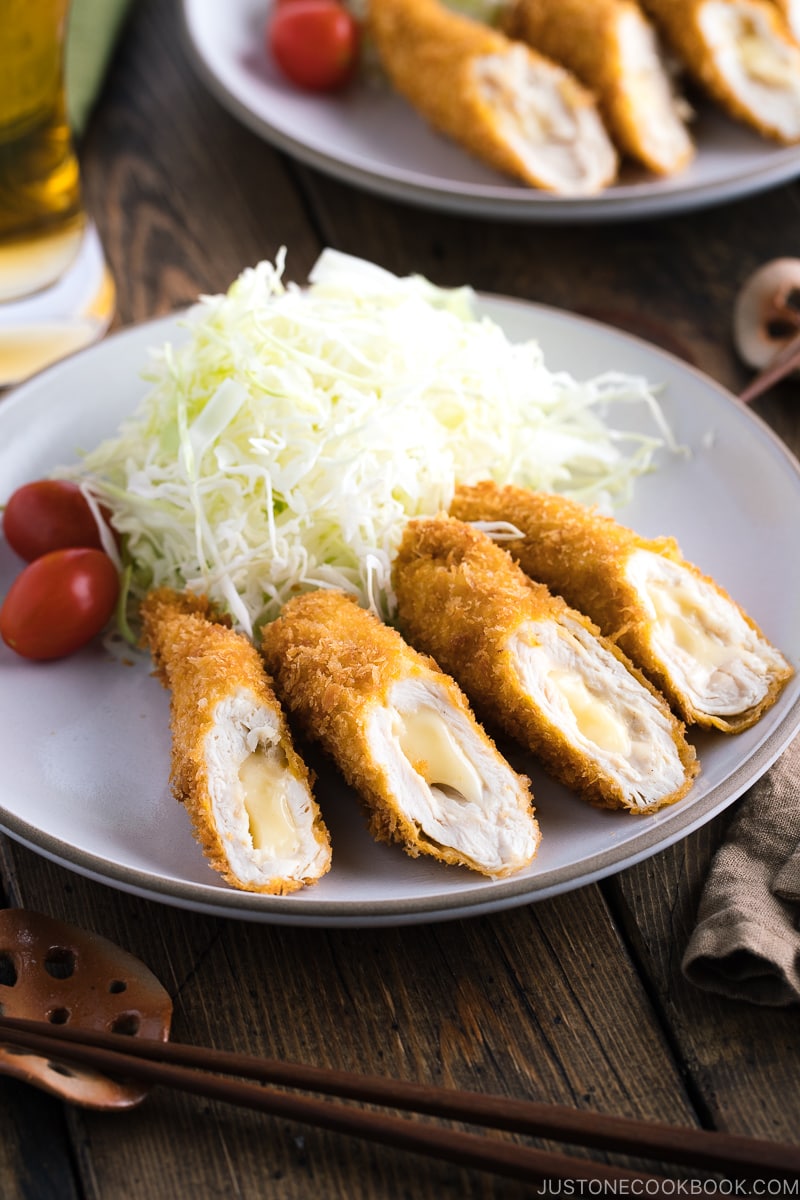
pixel 150 1061
pixel 467 1149
pixel 784 362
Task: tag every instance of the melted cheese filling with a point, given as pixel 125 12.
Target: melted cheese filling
pixel 761 68
pixel 264 779
pixel 710 651
pixel 435 755
pixel 263 813
pixel 599 707
pixel 595 720
pixel 446 778
pixel 647 87
pixel 547 122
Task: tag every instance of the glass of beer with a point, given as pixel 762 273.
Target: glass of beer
pixel 56 292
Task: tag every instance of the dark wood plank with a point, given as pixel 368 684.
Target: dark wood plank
pixel 524 1003
pixel 577 999
pixel 184 196
pixel 35 1147
pixel 741 1061
pixel 36 1156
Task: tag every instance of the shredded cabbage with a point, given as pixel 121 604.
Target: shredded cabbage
pixel 285 445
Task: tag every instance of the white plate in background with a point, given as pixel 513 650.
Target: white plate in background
pixel 371 138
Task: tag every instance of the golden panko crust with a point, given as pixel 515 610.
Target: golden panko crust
pixel 461 598
pixel 678 21
pixel 584 36
pixel 574 550
pixel 582 554
pixel 790 11
pixel 333 662
pixel 428 52
pixel 201 661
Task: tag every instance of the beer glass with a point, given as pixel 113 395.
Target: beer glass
pixel 56 293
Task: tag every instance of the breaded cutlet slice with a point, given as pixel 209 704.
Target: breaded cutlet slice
pixel 402 734
pixel 690 638
pixel 501 101
pixel 539 669
pixel 741 53
pixel 247 791
pixel 611 47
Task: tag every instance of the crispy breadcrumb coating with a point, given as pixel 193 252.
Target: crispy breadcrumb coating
pixel 742 54
pixel 539 669
pixel 352 684
pixel 790 10
pixel 501 101
pixel 223 710
pixel 610 46
pixel 609 572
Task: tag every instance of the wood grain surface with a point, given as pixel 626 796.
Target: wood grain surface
pixel 579 999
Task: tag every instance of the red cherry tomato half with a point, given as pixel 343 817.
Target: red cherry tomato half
pixel 314 42
pixel 59 602
pixel 50 514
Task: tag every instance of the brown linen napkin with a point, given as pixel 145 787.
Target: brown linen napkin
pixel 746 943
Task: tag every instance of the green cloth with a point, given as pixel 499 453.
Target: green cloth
pixel 91 35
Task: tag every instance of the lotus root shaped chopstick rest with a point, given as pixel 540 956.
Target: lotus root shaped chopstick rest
pixel 51 971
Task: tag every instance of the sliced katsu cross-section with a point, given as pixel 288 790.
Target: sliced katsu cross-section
pixel 539 669
pixel 611 47
pixel 742 54
pixel 791 13
pixel 247 791
pixel 402 734
pixel 693 641
pixel 503 102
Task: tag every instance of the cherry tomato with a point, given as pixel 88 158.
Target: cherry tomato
pixel 314 42
pixel 50 514
pixel 59 602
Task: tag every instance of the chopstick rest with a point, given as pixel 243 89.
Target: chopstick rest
pixel 60 973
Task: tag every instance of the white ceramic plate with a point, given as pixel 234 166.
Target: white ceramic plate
pixel 371 138
pixel 85 759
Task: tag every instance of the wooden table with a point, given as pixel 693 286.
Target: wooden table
pixel 578 999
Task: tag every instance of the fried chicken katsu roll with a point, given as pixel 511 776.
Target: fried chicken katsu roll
pixel 402 735
pixel 539 669
pixel 742 54
pixel 612 48
pixel 501 101
pixel 697 645
pixel 247 792
pixel 791 14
